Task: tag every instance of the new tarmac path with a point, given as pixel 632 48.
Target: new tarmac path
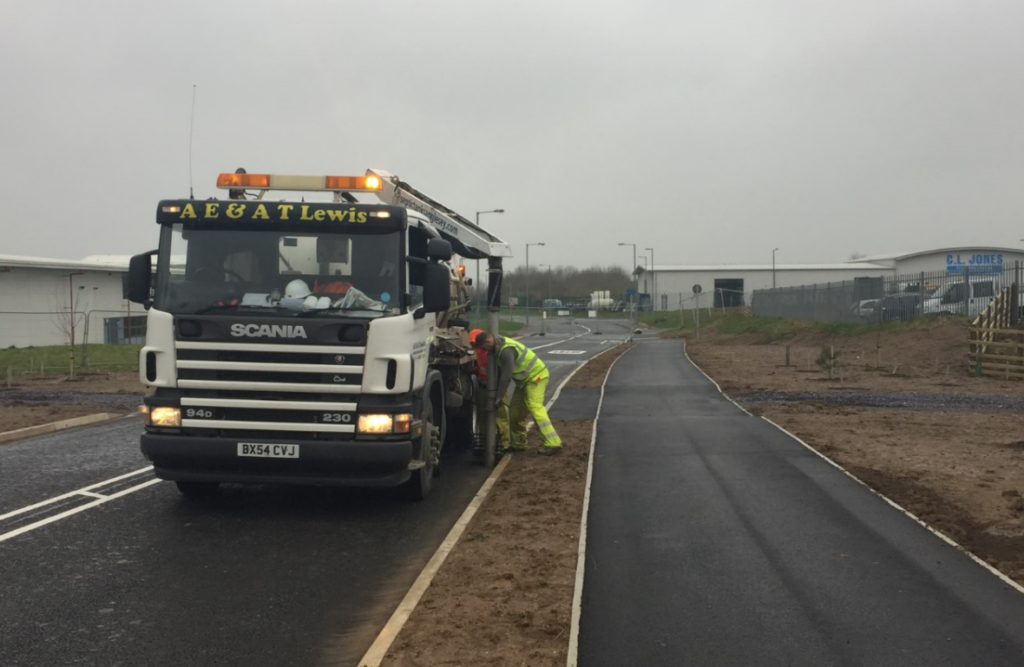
pixel 715 538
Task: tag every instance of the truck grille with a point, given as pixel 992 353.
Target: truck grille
pixel 241 388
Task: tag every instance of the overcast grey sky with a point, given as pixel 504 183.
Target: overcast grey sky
pixel 711 130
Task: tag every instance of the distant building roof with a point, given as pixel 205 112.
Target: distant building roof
pixel 94 263
pixel 846 266
pixel 939 251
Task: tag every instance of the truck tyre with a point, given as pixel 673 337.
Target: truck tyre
pixel 421 483
pixel 197 489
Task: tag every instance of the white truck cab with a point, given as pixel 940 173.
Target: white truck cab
pixel 306 342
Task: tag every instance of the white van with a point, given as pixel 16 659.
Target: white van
pixel 964 298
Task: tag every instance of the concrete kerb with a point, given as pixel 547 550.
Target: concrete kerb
pixel 62 425
pixel 945 538
pixel 572 655
pixel 379 649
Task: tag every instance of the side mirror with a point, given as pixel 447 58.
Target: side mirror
pixel 140 276
pixel 436 288
pixel 439 250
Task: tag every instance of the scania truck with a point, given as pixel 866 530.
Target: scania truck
pixel 308 342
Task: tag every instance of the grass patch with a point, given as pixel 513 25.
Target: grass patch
pixel 53 359
pixel 503 326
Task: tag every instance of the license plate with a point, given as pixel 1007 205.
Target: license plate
pixel 268 451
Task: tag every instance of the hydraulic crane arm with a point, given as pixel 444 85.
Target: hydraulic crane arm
pixel 467 239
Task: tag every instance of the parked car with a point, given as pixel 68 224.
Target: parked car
pixel 868 310
pixel 966 297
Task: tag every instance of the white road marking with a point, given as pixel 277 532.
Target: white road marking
pixel 581 552
pixel 380 646
pixel 717 386
pixel 375 655
pixel 1005 579
pixel 559 342
pixel 75 510
pixel 567 351
pixel 85 490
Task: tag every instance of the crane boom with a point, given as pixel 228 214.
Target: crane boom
pixel 467 239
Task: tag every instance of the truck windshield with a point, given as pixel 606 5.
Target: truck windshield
pixel 290 273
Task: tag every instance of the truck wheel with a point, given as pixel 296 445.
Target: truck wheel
pixel 421 483
pixel 197 489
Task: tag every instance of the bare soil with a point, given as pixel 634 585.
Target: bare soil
pixel 961 471
pixel 503 597
pixel 121 383
pixel 921 360
pixel 19 415
pixel 32 401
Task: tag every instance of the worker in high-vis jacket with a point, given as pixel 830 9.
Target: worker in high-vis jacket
pixel 520 364
pixel 501 418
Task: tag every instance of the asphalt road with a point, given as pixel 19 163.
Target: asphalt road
pixel 259 575
pixel 716 539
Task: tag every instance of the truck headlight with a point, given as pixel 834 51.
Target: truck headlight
pixel 375 423
pixel 165 416
pixel 372 423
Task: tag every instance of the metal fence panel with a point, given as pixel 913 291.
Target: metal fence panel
pixel 888 298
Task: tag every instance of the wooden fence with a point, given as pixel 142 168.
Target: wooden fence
pixel 996 338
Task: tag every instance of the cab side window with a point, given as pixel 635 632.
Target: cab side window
pixel 417 249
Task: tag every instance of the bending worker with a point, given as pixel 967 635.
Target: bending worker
pixel 518 362
pixel 501 418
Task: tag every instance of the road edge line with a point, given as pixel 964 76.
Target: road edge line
pixel 945 538
pixel 386 637
pixel 717 386
pixel 60 425
pixel 380 646
pixel 559 342
pixel 572 655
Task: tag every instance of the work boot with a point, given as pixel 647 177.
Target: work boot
pixel 548 451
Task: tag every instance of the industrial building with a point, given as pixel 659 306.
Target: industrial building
pixel 45 301
pixel 672 287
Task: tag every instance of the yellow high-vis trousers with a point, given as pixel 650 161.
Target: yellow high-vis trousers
pixel 528 400
pixel 501 418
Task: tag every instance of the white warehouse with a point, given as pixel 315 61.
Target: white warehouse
pixel 732 285
pixel 42 301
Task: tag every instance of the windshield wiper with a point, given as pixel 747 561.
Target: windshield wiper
pixel 218 306
pixel 335 309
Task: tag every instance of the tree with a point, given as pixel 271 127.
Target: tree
pixel 67 317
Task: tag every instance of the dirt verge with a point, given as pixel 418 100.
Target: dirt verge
pixel 504 596
pixel 40 400
pixel 15 416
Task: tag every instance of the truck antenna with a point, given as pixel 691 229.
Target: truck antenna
pixel 191 126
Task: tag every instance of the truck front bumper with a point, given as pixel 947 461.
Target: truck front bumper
pixel 327 463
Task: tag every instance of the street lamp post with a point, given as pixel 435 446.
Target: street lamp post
pixel 547 298
pixel 478 214
pixel 528 281
pixel 636 278
pixel 643 258
pixel 773 267
pixel 654 280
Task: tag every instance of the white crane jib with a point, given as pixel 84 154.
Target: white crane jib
pixel 467 239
